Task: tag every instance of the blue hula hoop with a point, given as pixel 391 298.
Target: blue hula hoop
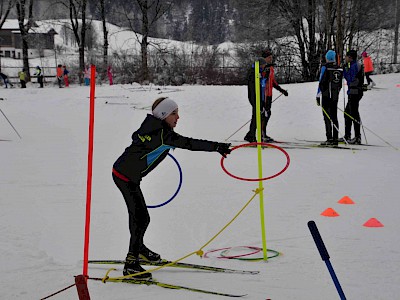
pixel 178 189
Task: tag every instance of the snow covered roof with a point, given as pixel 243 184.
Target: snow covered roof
pixel 10 24
pixel 36 28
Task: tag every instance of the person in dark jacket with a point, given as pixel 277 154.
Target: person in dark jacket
pixel 330 84
pixel 149 147
pixel 39 74
pixel 354 75
pixel 251 94
pixel 271 83
pixel 5 80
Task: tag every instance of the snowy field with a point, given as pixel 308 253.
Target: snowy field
pixel 43 195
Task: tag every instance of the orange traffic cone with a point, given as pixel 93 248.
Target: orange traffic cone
pixel 373 223
pixel 329 212
pixel 346 200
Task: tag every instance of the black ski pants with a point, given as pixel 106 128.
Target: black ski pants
pixel 265 116
pixel 139 217
pixel 367 76
pixel 352 116
pixel 330 118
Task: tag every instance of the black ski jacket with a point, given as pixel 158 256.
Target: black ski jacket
pixel 331 81
pixel 150 145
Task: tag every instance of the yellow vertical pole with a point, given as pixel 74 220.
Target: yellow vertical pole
pixel 260 175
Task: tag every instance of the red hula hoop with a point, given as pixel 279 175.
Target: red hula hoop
pixel 257 179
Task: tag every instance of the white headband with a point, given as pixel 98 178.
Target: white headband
pixel 165 108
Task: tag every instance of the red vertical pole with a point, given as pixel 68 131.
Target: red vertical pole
pixel 89 170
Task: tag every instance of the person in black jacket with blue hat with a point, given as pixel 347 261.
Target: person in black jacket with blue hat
pixel 149 147
pixel 330 84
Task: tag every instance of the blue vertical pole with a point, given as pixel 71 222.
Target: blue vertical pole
pixel 325 256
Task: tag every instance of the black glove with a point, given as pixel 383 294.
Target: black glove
pixel 223 149
pixel 318 101
pixel 285 92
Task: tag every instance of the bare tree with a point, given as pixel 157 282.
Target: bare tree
pixel 149 12
pixel 101 10
pixel 25 11
pixel 5 9
pixel 296 13
pixel 77 16
pixel 396 32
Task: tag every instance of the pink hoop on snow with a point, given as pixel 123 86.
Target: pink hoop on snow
pixel 257 249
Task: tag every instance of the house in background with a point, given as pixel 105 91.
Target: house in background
pixel 40 39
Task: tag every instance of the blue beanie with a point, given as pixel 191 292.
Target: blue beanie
pixel 330 56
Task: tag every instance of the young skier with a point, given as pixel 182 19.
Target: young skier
pixel 110 75
pixel 150 145
pixel 330 83
pixel 368 69
pixel 22 78
pixel 59 75
pixel 39 74
pixel 5 79
pixel 65 74
pixel 354 74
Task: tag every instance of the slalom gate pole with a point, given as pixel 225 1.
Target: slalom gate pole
pixel 81 280
pixel 260 183
pixel 363 126
pixel 10 123
pixel 325 256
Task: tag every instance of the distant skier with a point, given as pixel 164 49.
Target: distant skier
pixel 39 74
pixel 368 69
pixel 150 145
pixel 66 77
pixel 354 75
pixel 110 75
pixel 5 80
pixel 22 78
pixel 330 83
pixel 59 75
pixel 86 75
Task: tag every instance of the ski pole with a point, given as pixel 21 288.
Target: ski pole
pixel 334 125
pixel 249 121
pixel 368 129
pixel 10 123
pixel 365 137
pixel 325 256
pixel 276 98
pixel 237 130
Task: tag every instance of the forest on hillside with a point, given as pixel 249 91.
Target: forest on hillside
pixel 314 26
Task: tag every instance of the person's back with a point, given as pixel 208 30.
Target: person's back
pixel 331 82
pixel 329 86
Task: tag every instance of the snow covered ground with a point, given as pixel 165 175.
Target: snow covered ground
pixel 43 195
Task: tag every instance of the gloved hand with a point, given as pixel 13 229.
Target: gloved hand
pixel 223 149
pixel 318 101
pixel 285 92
